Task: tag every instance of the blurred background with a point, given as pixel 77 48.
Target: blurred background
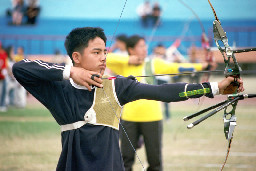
pixel 55 19
pixel 36 29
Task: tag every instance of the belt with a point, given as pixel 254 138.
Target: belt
pixel 72 126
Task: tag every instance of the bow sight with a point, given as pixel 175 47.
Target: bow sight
pixel 220 35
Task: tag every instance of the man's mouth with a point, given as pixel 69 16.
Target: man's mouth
pixel 103 65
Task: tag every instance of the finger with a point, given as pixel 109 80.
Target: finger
pixel 93 82
pixel 98 80
pixel 87 86
pixel 96 74
pixel 231 79
pixel 240 81
pixel 97 77
pixel 241 89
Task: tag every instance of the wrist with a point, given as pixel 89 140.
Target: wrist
pixel 67 72
pixel 215 88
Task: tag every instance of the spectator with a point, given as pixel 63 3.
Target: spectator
pixel 120 45
pixel 3 59
pixel 18 12
pixel 159 51
pixel 193 58
pixel 192 54
pixel 11 81
pixel 20 92
pixel 20 54
pixel 144 11
pixel 32 12
pixel 173 54
pixel 156 13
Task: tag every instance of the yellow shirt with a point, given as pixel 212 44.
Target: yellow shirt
pixel 18 58
pixel 144 110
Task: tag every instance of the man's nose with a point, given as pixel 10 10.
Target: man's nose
pixel 103 57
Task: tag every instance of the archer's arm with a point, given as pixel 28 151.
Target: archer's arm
pixel 33 73
pixel 132 90
pixel 39 78
pixel 162 67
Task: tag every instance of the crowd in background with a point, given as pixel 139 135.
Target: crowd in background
pixel 23 12
pixel 149 14
pixel 12 94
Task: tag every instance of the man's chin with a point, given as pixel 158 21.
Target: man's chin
pixel 101 71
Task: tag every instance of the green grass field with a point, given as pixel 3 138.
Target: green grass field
pixel 30 140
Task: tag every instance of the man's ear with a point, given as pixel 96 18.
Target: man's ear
pixel 76 56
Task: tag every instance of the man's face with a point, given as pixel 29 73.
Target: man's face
pixel 93 57
pixel 140 49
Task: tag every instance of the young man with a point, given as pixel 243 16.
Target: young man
pixel 88 107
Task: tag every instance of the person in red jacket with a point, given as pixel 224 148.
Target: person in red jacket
pixel 3 72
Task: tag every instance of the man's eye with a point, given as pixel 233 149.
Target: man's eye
pixel 96 53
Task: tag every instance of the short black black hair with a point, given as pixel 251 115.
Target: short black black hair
pixel 122 38
pixel 78 39
pixel 160 45
pixel 132 41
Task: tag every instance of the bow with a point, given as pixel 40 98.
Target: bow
pixel 232 69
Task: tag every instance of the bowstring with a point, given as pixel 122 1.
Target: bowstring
pixel 156 25
pixel 123 128
pixel 113 36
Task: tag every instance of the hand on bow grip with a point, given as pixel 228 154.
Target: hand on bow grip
pixel 231 85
